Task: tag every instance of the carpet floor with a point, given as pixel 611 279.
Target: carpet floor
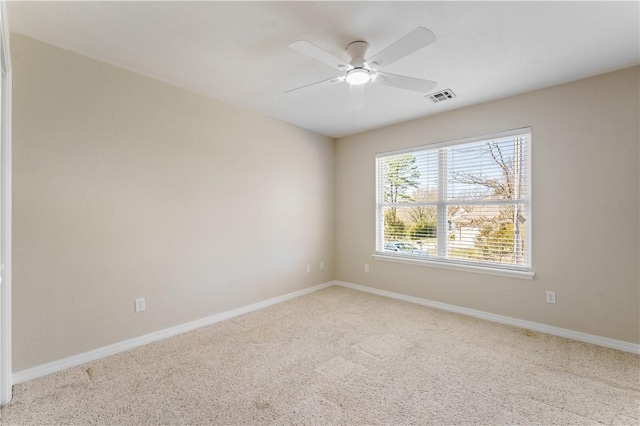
pixel 340 356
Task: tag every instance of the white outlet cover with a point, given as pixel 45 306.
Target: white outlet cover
pixel 140 304
pixel 551 296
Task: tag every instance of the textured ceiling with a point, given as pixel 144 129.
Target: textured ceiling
pixel 238 51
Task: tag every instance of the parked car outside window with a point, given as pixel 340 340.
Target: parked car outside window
pixel 402 247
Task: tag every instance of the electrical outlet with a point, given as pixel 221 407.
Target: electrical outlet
pixel 366 267
pixel 140 304
pixel 322 264
pixel 551 297
pixel 308 268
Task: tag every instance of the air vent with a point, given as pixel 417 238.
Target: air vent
pixel 441 96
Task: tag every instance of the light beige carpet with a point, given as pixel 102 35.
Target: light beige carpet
pixel 342 356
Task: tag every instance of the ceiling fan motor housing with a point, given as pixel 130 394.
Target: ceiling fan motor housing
pixel 356 51
pixel 359 74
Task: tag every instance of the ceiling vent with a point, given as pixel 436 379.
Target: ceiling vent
pixel 441 96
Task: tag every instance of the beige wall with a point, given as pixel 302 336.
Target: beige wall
pixel 585 150
pixel 126 187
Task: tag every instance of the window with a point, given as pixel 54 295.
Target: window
pixel 463 203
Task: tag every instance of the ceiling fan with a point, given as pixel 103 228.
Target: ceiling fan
pixel 361 71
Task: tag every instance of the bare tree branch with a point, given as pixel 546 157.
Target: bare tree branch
pixel 502 188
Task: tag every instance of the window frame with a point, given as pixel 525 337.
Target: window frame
pixel 525 271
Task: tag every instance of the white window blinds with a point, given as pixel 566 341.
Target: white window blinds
pixel 461 202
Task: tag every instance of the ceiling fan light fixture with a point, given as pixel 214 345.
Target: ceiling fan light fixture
pixel 358 76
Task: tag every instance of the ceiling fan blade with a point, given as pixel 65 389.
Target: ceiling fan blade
pixel 404 82
pixel 415 40
pixel 328 82
pixel 313 51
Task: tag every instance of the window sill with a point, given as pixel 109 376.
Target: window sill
pixel 524 275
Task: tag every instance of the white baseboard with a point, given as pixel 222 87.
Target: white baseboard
pixel 543 328
pixel 73 361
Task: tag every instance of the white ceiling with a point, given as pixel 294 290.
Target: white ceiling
pixel 237 51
